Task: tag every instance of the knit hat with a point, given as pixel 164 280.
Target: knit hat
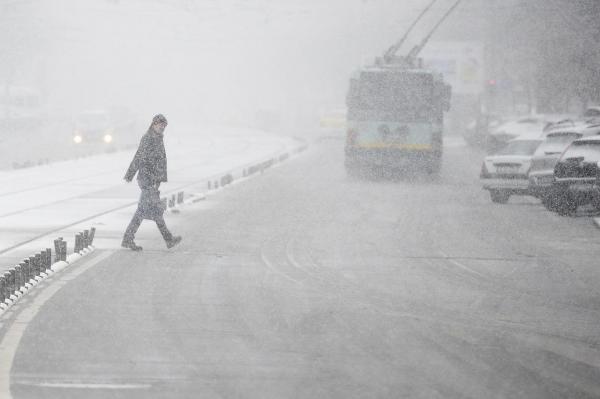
pixel 160 118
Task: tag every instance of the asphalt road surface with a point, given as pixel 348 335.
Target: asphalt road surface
pixel 303 283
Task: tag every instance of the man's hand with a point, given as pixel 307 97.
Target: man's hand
pixel 127 180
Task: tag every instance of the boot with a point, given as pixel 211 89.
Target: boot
pixel 173 241
pixel 129 243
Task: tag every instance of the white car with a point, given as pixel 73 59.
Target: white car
pixel 505 172
pixel 524 126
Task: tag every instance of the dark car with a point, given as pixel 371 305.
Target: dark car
pixel 541 174
pixel 576 176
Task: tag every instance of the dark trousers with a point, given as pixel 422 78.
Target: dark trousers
pixel 136 221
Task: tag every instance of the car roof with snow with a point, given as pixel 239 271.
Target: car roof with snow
pixel 569 126
pixel 566 124
pixel 520 146
pixel 589 139
pixel 529 136
pixel 526 125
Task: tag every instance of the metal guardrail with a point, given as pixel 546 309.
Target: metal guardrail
pixel 17 280
pixel 173 200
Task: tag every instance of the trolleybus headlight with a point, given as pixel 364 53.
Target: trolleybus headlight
pixel 77 139
pixel 108 138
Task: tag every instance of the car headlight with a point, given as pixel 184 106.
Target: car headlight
pixel 77 139
pixel 108 138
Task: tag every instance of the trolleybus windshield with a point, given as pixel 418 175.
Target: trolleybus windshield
pixel 393 96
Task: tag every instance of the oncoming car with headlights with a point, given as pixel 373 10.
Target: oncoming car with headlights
pixel 93 127
pixel 505 172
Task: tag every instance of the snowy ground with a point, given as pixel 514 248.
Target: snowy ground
pixel 42 203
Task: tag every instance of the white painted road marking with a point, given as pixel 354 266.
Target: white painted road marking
pixel 79 385
pixel 10 341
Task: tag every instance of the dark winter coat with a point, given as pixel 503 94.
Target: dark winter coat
pixel 149 162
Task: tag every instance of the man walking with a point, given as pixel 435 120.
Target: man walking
pixel 150 164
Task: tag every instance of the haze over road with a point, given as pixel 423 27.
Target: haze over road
pixel 303 283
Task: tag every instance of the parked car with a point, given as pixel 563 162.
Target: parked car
pixel 592 111
pixel 576 176
pixel 505 173
pixel 525 125
pixel 541 174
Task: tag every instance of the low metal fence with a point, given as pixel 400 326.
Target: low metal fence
pixel 20 278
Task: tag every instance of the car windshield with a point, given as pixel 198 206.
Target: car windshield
pixel 561 138
pixel 588 150
pixel 592 112
pixel 91 120
pixel 555 143
pixel 519 147
pixel 531 121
